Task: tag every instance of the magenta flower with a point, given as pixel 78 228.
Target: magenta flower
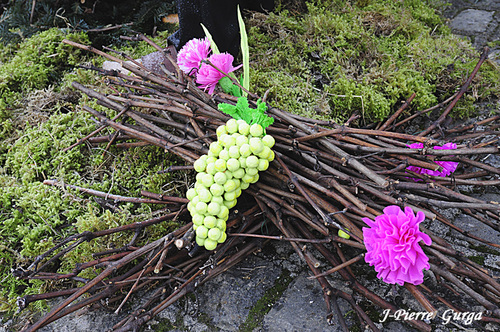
pixel 393 248
pixel 190 56
pixel 208 76
pixel 448 166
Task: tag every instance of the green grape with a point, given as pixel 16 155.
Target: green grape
pixel 214 234
pixel 198 219
pixel 224 154
pixel 207 180
pixel 229 175
pixel 244 185
pixel 238 192
pixel 243 127
pixel 191 208
pixel 263 165
pixel 234 152
pixel 209 222
pixel 220 178
pixel 216 190
pixel 228 141
pixel 233 165
pixel 240 140
pixel 200 165
pixel 251 171
pixel 245 150
pixel 230 185
pixel 200 241
pixel 201 207
pixel 199 176
pixel 191 193
pixel 271 156
pixel 247 178
pixel 220 165
pixel 210 160
pixel 210 244
pixel 211 169
pixel 221 224
pixel 213 208
pixel 223 238
pixel 231 126
pixel 264 154
pixel 229 204
pixel 215 148
pixel 202 232
pixel 229 196
pixel 204 195
pixel 268 141
pixel 256 130
pixel 224 212
pixel 256 145
pixel 255 178
pixel 252 161
pixel 239 173
pixel 221 130
pixel 217 199
pixel 195 200
pixel 243 162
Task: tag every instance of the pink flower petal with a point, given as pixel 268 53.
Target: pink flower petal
pixel 208 76
pixel 448 166
pixel 190 56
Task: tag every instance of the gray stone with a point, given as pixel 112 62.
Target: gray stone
pixel 472 21
pixel 228 298
pixel 301 308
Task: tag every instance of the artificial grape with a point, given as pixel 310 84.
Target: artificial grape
pixel 231 164
pixel 343 234
pixel 256 130
pixel 202 232
pixel 201 207
pixel 220 165
pixel 239 173
pixel 191 193
pixel 213 209
pixel 210 244
pixel 219 178
pixel 231 126
pixel 234 152
pixel 209 222
pixel 256 145
pixel 263 165
pixel 214 234
pixel 252 161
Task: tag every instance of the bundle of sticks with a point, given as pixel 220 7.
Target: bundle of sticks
pixel 326 177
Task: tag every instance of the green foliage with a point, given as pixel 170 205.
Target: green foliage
pixel 243 111
pixel 337 58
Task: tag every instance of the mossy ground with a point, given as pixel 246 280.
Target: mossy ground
pixel 325 59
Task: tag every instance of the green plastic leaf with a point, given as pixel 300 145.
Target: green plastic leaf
pixel 226 84
pixel 243 111
pixel 244 52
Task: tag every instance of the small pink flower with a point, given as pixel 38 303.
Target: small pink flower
pixel 448 166
pixel 208 76
pixel 190 56
pixel 393 248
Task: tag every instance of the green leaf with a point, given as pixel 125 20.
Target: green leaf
pixel 244 52
pixel 226 84
pixel 242 111
pixel 215 49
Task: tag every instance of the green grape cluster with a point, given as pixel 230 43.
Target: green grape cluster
pixel 231 165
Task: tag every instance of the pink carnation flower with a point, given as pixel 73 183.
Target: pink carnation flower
pixel 448 166
pixel 393 248
pixel 190 56
pixel 208 76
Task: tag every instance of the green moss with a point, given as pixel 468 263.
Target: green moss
pixel 265 303
pixel 485 249
pixel 337 58
pixel 477 259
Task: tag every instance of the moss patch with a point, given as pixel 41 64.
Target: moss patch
pixel 338 57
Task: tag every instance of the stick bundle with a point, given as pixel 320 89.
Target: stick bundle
pixel 326 177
